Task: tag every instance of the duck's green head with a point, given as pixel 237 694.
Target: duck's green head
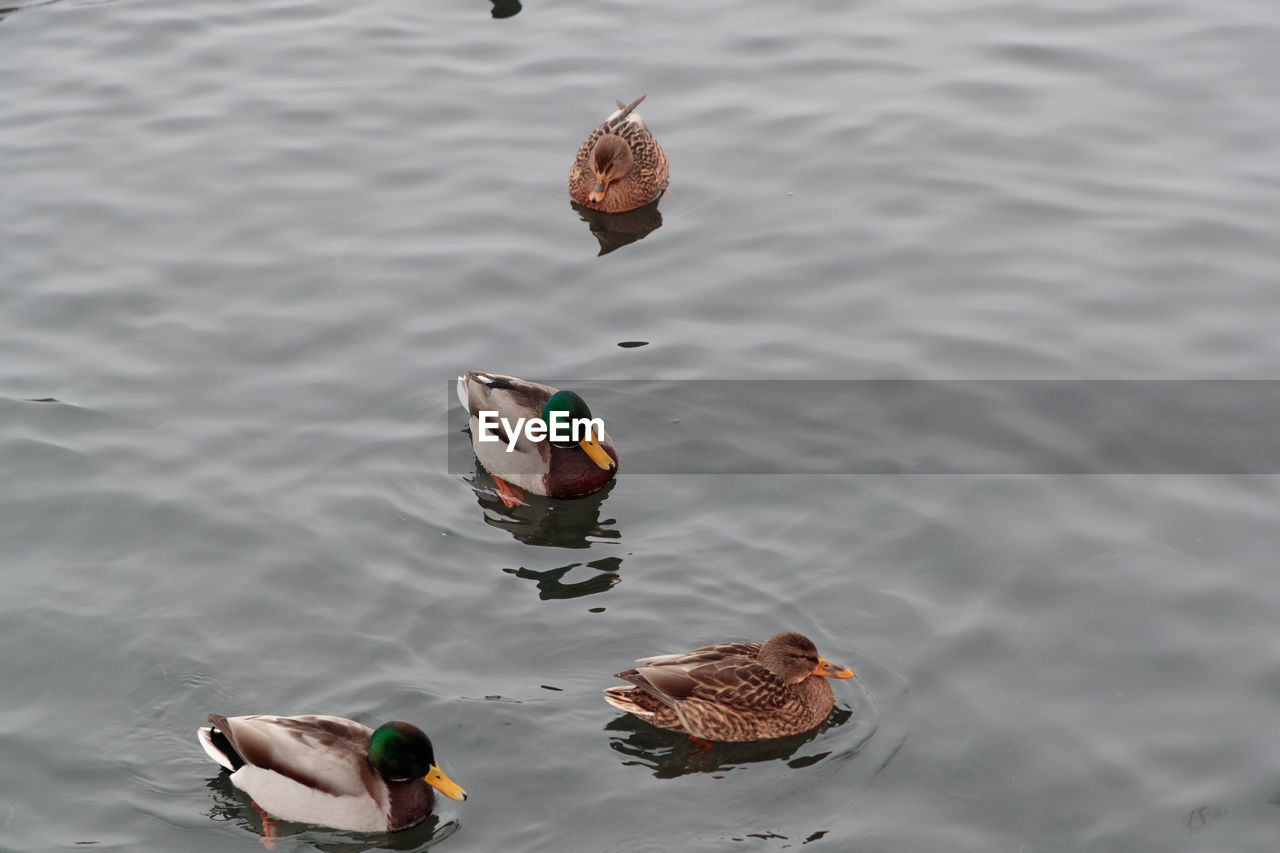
pixel 400 751
pixel 569 409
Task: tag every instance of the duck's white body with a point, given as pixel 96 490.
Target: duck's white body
pixel 313 769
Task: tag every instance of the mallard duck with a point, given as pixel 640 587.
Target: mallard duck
pixel 733 691
pixel 620 166
pixel 329 770
pixel 556 470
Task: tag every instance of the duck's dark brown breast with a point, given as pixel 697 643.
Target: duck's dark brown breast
pixel 410 801
pixel 574 475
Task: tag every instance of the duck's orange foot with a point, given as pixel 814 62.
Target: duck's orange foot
pixel 511 495
pixel 268 839
pixel 698 746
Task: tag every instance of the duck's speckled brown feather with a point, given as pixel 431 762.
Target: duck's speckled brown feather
pixel 722 693
pixel 649 173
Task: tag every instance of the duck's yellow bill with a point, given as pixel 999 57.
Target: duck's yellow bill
pixel 435 778
pixel 597 453
pixel 829 670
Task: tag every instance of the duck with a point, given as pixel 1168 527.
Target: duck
pixel 571 469
pixel 733 692
pixel 620 166
pixel 330 771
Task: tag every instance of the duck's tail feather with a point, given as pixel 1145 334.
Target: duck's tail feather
pixel 219 748
pixel 623 111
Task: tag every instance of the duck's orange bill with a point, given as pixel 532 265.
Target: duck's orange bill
pixel 597 192
pixel 597 453
pixel 829 670
pixel 435 778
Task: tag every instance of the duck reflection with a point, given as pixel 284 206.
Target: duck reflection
pixel 9 10
pixel 232 805
pixel 505 8
pixel 669 754
pixel 551 585
pixel 543 521
pixel 615 230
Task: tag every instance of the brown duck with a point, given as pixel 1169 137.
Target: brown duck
pixel 620 166
pixel 733 691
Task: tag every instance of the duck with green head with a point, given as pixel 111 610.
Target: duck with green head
pixel 330 771
pixel 554 469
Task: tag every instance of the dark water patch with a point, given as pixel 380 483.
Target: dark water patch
pixel 615 230
pixel 543 521
pixel 5 12
pixel 505 8
pixel 552 584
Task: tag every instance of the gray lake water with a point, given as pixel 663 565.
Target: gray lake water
pixel 246 248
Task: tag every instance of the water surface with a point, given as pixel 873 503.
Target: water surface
pixel 246 249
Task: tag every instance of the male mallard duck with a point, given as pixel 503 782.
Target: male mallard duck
pixel 620 166
pixel 733 691
pixel 571 469
pixel 329 770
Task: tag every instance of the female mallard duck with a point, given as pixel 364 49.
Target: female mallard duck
pixel 570 469
pixel 733 691
pixel 329 770
pixel 620 166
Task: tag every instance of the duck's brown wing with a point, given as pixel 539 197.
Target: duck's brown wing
pixel 729 699
pixel 320 752
pixel 650 172
pixel 740 685
pixel 706 654
pixel 726 674
pixel 507 395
